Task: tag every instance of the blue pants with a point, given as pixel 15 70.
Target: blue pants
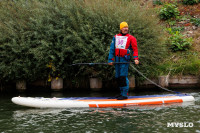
pixel 121 70
pixel 124 90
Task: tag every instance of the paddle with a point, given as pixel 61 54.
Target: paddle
pixel 100 63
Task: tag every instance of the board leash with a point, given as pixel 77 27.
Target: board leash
pixel 152 81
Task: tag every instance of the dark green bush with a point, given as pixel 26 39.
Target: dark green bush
pixel 31 38
pixel 195 21
pixel 190 2
pixel 157 2
pixel 44 37
pixel 169 11
pixel 16 59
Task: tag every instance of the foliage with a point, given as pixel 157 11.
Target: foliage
pixel 105 20
pixel 179 42
pixel 171 22
pixel 195 21
pixel 30 40
pixel 157 2
pixel 168 11
pixel 181 63
pixel 190 2
pixel 174 29
pixel 41 38
pixel 16 59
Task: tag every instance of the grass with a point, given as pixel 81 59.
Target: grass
pixel 181 63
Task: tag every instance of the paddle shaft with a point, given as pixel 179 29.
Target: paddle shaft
pixel 100 63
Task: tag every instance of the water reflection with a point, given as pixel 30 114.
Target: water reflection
pixel 57 94
pixel 19 113
pixel 136 118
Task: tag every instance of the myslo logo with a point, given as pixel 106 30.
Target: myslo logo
pixel 180 124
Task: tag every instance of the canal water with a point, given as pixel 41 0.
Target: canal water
pixel 137 119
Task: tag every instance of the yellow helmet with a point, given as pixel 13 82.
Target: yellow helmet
pixel 123 24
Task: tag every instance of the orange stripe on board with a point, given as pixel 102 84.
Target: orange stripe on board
pixel 174 101
pixel 92 105
pixel 148 103
pixel 112 105
pixel 124 104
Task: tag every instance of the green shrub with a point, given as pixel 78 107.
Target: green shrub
pixel 195 21
pixel 30 40
pixel 16 59
pixel 104 24
pixel 41 38
pixel 190 2
pixel 171 22
pixel 157 2
pixel 174 29
pixel 168 11
pixel 179 42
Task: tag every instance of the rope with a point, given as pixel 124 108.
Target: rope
pixel 152 81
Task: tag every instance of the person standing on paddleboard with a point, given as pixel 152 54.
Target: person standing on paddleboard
pixel 120 49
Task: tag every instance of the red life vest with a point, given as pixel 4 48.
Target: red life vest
pixel 123 45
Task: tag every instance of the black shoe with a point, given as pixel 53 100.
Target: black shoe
pixel 122 98
pixel 118 96
pixel 115 97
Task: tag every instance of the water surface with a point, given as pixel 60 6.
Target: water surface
pixel 18 119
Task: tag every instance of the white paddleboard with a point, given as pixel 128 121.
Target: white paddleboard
pixel 101 102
